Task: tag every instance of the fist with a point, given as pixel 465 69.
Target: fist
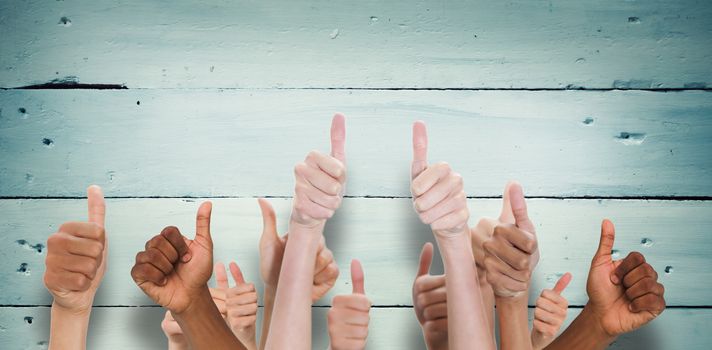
pixel 348 317
pixel 438 191
pixel 550 313
pixel 623 294
pixel 172 269
pixel 511 253
pixel 430 302
pixel 76 257
pixel 320 180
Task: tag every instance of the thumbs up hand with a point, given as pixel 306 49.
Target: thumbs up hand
pixel 430 302
pixel 438 191
pixel 550 313
pixel 348 317
pixel 623 294
pixel 511 253
pixel 320 180
pixel 173 270
pixel 76 258
pixel 241 302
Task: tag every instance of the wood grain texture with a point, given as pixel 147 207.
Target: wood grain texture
pixel 139 328
pixel 375 44
pixel 384 234
pixel 198 143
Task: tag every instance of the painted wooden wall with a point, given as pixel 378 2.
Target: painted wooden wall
pixel 601 109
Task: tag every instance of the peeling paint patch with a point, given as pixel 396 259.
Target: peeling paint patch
pixel 49 143
pixel 334 33
pixel 23 269
pixel 39 247
pixel 634 19
pixel 587 121
pixel 631 138
pixel 64 22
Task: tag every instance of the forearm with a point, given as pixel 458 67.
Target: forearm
pixel 269 295
pixel 467 320
pixel 68 328
pixel 513 323
pixel 291 320
pixel 204 327
pixel 584 333
pixel 487 299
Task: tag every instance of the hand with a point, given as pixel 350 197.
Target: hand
pixel 484 230
pixel 438 192
pixel 173 270
pixel 320 180
pixel 550 313
pixel 511 254
pixel 272 250
pixel 176 339
pixel 430 302
pixel 348 317
pixel 76 258
pixel 623 294
pixel 241 303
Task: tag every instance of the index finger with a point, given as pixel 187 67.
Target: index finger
pixel 221 276
pixel 236 273
pixel 96 204
pixel 420 149
pixel 562 283
pixel 357 277
pixel 338 137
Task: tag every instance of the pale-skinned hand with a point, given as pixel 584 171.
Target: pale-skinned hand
pixel 550 313
pixel 348 317
pixel 430 302
pixel 623 294
pixel 76 258
pixel 320 180
pixel 438 191
pixel 511 253
pixel 172 270
pixel 272 250
pixel 241 304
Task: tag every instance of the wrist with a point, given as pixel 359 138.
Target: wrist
pixel 593 323
pixel 516 300
pixel 197 303
pixel 177 343
pixel 71 312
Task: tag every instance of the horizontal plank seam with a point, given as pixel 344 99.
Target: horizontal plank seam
pixel 394 306
pixel 77 86
pixel 648 198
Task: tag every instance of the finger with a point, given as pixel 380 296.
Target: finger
pixel 562 283
pixel 202 221
pixel 605 245
pixel 441 191
pixel 429 178
pixel 147 273
pixel 547 305
pixel 83 230
pixel 648 302
pixel 269 220
pixel 427 283
pixel 506 215
pixel 338 137
pixel 357 277
pixel 319 179
pixel 420 149
pixel 221 276
pixel 519 208
pixel 629 264
pixel 176 239
pixel 644 286
pixel 426 258
pixel 236 273
pixel 96 204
